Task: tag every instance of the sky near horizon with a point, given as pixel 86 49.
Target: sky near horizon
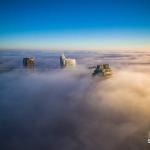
pixel 75 25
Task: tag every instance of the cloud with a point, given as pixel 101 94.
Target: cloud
pixel 68 109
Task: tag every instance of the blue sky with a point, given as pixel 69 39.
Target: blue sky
pixel 74 24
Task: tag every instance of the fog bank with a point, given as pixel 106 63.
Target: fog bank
pixel 70 110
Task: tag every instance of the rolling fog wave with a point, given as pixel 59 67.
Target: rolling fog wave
pixel 70 110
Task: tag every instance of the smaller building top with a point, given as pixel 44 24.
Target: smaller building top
pixel 28 61
pixel 64 62
pixel 103 69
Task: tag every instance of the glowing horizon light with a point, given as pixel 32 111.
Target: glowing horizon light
pixel 101 40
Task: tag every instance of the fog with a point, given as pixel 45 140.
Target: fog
pixel 68 109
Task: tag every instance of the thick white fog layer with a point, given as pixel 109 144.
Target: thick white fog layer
pixel 67 109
